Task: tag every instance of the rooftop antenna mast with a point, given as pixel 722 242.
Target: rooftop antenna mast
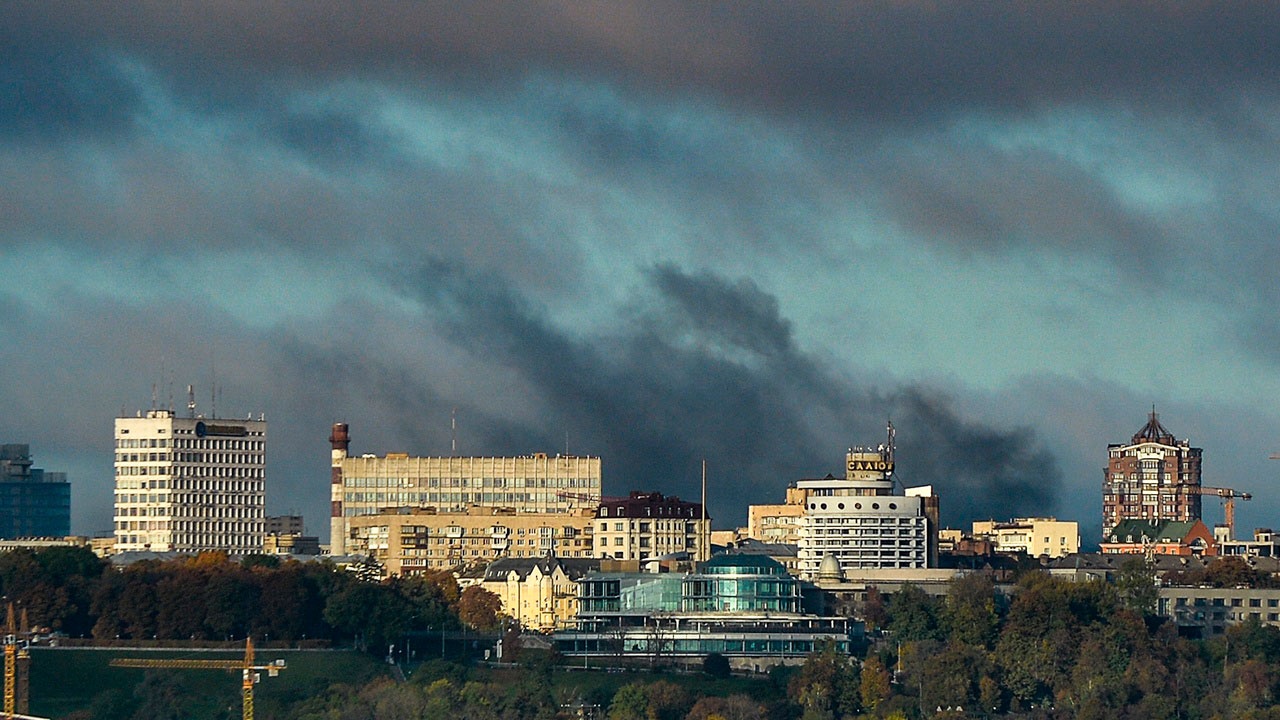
pixel 892 433
pixel 191 401
pixel 704 547
pixel 453 432
pixel 213 387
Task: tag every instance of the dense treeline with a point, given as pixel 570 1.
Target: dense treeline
pixel 1049 649
pixel 1054 648
pixel 210 598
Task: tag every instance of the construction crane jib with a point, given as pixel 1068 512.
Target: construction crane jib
pixel 249 669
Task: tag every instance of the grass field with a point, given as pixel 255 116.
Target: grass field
pixel 64 680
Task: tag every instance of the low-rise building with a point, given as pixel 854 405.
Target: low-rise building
pixel 645 526
pixel 1160 537
pixel 1210 611
pixel 410 540
pixel 1265 543
pixel 539 593
pixel 777 523
pixel 1035 536
pixel 745 607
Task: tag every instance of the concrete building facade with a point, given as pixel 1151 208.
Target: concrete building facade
pixel 411 540
pixel 858 520
pixel 34 503
pixel 539 593
pixel 189 484
pixel 537 483
pixel 777 523
pixel 645 526
pixel 1036 537
pixel 1154 477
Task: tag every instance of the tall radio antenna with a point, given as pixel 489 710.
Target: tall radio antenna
pixel 453 431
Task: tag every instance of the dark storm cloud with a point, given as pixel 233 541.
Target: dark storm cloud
pixel 710 371
pixel 891 59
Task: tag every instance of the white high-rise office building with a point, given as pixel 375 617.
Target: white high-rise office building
pixel 859 521
pixel 189 484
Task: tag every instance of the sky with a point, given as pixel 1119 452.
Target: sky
pixel 654 232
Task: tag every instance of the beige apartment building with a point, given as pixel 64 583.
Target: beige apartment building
pixel 540 593
pixel 777 523
pixel 646 526
pixel 410 540
pixel 534 484
pixel 1033 536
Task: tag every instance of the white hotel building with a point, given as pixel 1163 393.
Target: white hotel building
pixel 189 484
pixel 860 522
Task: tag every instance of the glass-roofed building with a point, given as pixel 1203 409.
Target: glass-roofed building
pixel 746 607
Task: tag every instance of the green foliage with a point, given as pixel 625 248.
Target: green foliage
pixel 1136 585
pixel 829 685
pixel 629 703
pixel 716 665
pixel 969 611
pixel 913 615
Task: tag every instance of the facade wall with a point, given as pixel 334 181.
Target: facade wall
pixel 649 525
pixel 33 503
pixel 1033 536
pixel 777 523
pixel 860 522
pixel 537 483
pixel 538 601
pixel 1213 610
pixel 189 484
pixel 413 539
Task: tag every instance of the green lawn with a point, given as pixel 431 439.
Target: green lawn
pixel 64 680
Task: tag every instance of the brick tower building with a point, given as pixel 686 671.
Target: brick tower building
pixel 1154 477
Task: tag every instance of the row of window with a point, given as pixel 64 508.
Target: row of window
pixel 197 471
pixel 197 444
pixel 480 482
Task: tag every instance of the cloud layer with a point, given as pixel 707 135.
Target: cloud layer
pixel 657 233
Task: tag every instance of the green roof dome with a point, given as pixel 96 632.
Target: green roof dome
pixel 743 564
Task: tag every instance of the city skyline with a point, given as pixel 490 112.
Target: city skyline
pixel 651 233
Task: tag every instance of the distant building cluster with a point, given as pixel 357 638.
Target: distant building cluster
pixel 640 573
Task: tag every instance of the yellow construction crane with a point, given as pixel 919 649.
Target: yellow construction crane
pixel 16 661
pixel 1228 496
pixel 246 666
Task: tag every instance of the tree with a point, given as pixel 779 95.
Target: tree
pixel 827 686
pixel 716 665
pixel 913 615
pixel 734 707
pixel 629 703
pixel 874 611
pixel 1136 585
pixel 479 608
pixel 969 611
pixel 874 687
pixel 667 701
